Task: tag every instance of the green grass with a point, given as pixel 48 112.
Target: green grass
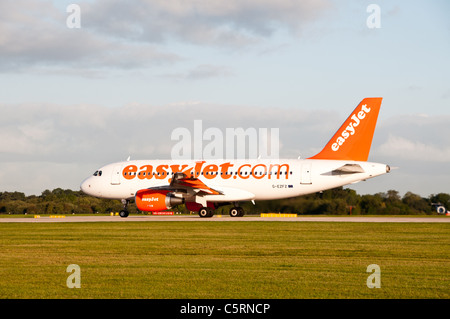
pixel 224 259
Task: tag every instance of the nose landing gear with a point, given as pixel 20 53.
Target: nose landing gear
pixel 124 212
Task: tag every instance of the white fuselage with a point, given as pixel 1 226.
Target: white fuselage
pixel 236 180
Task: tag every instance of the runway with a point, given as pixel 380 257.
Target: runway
pixel 222 218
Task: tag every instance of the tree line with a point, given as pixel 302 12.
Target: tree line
pixel 338 201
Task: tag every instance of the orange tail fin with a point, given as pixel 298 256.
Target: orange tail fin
pixel 354 138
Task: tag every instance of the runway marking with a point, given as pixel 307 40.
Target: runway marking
pixel 221 218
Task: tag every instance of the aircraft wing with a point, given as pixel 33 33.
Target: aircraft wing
pixel 193 187
pixel 181 180
pixel 181 183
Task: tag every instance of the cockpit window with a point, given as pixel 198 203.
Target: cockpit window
pixel 98 173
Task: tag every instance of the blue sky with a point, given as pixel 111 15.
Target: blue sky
pixel 301 66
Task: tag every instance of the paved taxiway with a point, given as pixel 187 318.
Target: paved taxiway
pixel 355 219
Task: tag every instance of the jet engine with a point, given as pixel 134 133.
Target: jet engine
pixel 156 200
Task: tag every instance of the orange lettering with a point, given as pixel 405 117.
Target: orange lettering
pixel 198 168
pixel 224 169
pixel 161 172
pixel 210 171
pixel 279 168
pixel 261 176
pixel 239 171
pixel 259 171
pixel 129 172
pixel 145 172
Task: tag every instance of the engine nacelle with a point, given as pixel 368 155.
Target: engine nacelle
pixel 154 201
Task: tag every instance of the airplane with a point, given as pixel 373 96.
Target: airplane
pixel 204 185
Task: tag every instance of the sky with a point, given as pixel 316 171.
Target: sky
pixel 73 99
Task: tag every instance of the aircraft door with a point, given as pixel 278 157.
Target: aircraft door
pixel 115 176
pixel 306 174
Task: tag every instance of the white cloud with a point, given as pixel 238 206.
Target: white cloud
pixel 401 148
pixel 132 34
pixel 201 72
pixel 35 35
pixel 416 137
pixel 32 178
pixel 214 22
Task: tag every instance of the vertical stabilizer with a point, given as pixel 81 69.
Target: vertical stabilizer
pixel 354 138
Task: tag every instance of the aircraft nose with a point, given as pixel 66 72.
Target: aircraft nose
pixel 86 186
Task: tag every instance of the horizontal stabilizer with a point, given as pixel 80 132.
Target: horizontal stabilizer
pixel 348 169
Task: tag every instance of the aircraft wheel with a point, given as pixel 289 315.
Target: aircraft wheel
pixel 441 210
pixel 241 211
pixel 123 213
pixel 205 212
pixel 235 211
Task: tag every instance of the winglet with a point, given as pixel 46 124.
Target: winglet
pixel 354 138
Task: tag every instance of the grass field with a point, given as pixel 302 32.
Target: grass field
pixel 225 260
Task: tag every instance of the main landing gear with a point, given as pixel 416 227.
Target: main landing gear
pixel 206 212
pixel 124 212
